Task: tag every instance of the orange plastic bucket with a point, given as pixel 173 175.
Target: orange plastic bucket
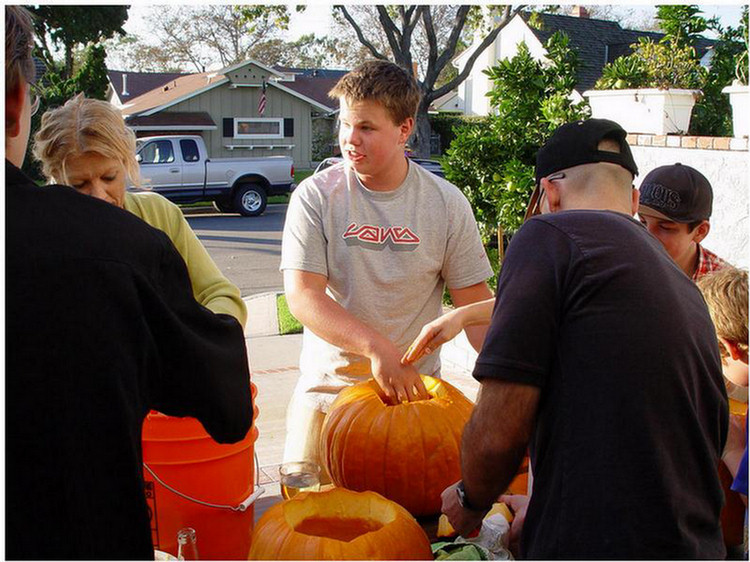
pixel 193 481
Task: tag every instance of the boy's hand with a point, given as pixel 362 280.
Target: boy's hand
pixel 401 383
pixel 433 335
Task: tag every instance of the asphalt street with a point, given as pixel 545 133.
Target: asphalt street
pixel 246 249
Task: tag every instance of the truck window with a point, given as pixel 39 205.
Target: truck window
pixel 157 152
pixel 189 150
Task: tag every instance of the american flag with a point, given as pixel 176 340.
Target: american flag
pixel 262 100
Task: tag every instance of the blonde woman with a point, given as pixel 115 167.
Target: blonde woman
pixel 85 144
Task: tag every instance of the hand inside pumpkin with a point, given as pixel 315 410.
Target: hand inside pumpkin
pixel 400 383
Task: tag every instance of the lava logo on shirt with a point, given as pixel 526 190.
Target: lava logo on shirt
pixel 378 237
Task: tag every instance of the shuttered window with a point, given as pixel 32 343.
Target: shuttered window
pixel 258 128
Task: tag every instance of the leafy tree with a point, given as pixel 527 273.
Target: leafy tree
pixel 90 79
pixel 673 63
pixel 308 51
pixel 399 25
pixel 683 24
pixel 492 160
pixel 193 38
pixel 626 17
pixel 74 26
pixel 654 65
pixel 712 115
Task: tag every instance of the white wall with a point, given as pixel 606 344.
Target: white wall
pixel 728 173
pixel 472 91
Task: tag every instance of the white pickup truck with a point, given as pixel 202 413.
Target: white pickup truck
pixel 178 167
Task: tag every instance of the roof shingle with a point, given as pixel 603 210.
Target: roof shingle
pixel 596 42
pixel 139 83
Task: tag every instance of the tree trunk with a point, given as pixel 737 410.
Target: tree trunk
pixel 68 60
pixel 420 143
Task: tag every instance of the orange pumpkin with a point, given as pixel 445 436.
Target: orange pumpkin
pixel 407 452
pixel 338 525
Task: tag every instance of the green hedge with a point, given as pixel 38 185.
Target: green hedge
pixel 445 125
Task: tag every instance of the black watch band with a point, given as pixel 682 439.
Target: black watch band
pixel 463 500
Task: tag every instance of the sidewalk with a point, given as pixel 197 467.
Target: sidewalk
pixel 274 361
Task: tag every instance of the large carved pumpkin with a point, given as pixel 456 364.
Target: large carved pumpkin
pixel 407 452
pixel 338 525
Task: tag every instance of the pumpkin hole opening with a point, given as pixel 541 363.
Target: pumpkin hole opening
pixel 340 529
pixel 387 401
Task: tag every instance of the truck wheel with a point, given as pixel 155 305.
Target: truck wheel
pixel 250 200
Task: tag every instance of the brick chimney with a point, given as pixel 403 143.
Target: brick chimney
pixel 579 12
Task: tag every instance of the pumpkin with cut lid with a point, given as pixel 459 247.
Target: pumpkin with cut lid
pixel 338 525
pixel 407 452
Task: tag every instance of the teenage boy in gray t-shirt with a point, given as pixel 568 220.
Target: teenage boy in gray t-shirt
pixel 368 246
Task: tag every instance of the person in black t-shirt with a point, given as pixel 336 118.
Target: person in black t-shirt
pixel 101 327
pixel 601 358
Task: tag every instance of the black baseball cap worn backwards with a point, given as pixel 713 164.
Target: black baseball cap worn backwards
pixel 574 144
pixel 677 193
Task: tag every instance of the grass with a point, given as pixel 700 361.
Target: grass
pixel 288 324
pixel 299 175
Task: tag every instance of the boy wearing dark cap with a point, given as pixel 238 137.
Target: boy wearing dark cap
pixel 601 359
pixel 675 206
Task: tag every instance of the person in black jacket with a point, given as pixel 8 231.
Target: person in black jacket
pixel 101 327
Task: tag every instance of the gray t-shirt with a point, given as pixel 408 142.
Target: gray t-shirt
pixel 387 257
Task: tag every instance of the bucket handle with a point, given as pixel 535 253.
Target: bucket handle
pixel 247 502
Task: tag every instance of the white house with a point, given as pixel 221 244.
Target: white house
pixel 596 41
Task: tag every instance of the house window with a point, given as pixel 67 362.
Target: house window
pixel 258 128
pixel 157 152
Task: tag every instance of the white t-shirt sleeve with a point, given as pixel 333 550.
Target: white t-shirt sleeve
pixel 304 244
pixel 466 261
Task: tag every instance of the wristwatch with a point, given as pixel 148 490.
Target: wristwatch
pixel 463 501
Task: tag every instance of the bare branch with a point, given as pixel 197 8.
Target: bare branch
pixel 409 26
pixel 432 42
pixel 392 33
pixel 360 35
pixel 450 51
pixel 507 16
pixel 407 16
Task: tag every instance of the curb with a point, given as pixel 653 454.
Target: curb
pixel 263 320
pixel 202 210
pixel 262 316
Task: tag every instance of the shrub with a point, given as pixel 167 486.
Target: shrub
pixel 445 125
pixel 654 65
pixel 492 159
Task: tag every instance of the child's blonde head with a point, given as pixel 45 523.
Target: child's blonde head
pixel 725 292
